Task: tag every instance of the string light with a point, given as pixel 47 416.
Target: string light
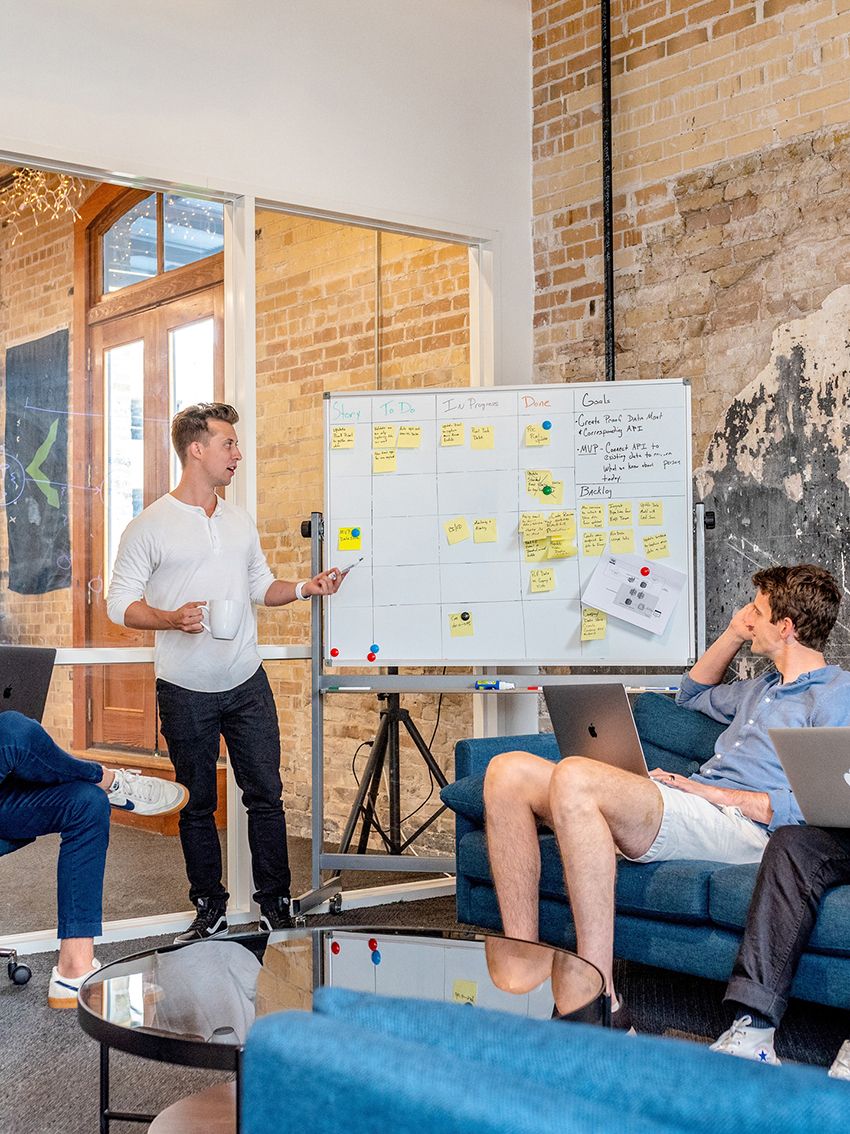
pixel 45 195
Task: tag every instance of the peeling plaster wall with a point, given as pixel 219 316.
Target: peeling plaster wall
pixel 777 472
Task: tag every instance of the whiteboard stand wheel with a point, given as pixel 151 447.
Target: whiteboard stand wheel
pixel 335 903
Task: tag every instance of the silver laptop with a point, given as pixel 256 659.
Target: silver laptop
pixel 25 673
pixel 596 721
pixel 817 764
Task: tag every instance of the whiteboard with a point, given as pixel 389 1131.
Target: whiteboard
pixel 439 496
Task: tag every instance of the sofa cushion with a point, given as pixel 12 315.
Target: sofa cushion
pixel 730 891
pixel 666 728
pixel 669 891
pixel 466 797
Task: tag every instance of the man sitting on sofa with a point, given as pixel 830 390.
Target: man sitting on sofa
pixel 724 814
pixel 799 866
pixel 43 790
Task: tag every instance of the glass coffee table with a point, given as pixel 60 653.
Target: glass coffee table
pixel 194 1004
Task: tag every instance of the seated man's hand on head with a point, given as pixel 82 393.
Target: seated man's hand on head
pixel 741 623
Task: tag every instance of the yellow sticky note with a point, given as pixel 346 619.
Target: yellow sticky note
pixel 347 540
pixel 542 579
pixel 622 540
pixel 650 512
pixel 594 624
pixel 532 525
pixel 460 624
pixel 452 433
pixel 561 524
pixel 655 546
pixel 560 549
pixel 593 543
pixel 620 513
pixel 535 479
pixel 465 991
pixel 383 436
pixel 484 531
pixel 535 436
pixel 593 515
pixel 383 460
pixel 457 530
pixel 342 437
pixel 409 436
pixel 482 437
pixel 535 550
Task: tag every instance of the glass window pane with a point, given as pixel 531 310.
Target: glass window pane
pixel 193 229
pixel 191 371
pixel 124 375
pixel 129 247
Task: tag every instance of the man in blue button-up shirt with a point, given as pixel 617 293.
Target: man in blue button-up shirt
pixel 725 814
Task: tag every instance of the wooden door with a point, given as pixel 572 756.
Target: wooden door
pixel 144 368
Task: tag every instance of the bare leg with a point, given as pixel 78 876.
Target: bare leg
pixel 106 781
pixel 516 797
pixel 596 809
pixel 76 956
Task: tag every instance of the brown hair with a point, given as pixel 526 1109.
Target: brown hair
pixel 807 594
pixel 191 424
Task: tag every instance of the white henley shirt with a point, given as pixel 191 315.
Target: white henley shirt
pixel 173 553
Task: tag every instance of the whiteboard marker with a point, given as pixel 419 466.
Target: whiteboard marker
pixel 535 688
pixel 349 689
pixel 490 686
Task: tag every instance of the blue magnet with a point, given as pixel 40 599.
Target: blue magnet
pixel 375 648
pixel 376 958
pixel 547 424
pixel 355 532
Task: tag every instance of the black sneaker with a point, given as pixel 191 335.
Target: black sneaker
pixel 210 919
pixel 275 914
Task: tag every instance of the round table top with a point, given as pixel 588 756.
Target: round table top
pixel 194 1004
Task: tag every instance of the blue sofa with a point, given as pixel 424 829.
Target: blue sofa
pixel 685 916
pixel 361 1063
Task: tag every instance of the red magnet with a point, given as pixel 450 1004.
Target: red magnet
pixel 370 656
pixel 334 652
pixel 335 948
pixel 644 571
pixel 373 944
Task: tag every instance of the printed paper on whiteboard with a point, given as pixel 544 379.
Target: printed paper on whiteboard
pixel 639 591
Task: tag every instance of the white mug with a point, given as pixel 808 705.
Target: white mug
pixel 225 617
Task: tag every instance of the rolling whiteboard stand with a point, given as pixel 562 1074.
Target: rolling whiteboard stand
pixel 330 893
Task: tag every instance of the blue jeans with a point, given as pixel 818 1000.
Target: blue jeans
pixel 192 724
pixel 44 790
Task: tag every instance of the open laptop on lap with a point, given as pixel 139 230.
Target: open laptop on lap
pixel 817 764
pixel 596 721
pixel 25 673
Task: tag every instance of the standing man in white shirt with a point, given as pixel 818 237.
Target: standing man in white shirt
pixel 185 550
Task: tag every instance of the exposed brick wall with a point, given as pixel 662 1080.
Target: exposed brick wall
pixel 319 286
pixel 729 184
pixel 36 298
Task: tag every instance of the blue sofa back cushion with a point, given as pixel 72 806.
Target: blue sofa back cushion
pixel 365 1063
pixel 673 738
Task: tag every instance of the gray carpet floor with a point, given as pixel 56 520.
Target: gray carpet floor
pixel 49 1066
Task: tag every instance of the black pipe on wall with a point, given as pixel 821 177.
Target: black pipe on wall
pixel 607 192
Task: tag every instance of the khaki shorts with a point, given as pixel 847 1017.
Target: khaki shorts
pixel 693 828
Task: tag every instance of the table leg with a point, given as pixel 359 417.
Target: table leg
pixel 104 1089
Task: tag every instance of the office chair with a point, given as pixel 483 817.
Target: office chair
pixel 18 973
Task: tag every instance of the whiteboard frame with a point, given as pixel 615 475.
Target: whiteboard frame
pixel 674 661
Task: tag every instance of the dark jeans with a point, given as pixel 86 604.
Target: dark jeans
pixel 799 865
pixel 44 790
pixel 246 717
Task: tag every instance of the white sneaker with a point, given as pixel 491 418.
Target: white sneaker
pixel 747 1042
pixel 63 990
pixel 146 795
pixel 840 1068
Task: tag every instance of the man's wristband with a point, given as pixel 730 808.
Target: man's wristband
pixel 299 591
